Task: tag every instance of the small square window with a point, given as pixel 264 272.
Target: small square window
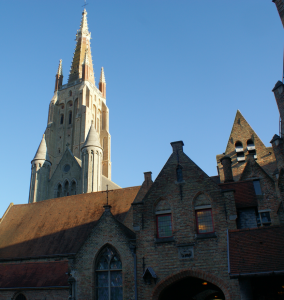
pixel 264 219
pixel 204 221
pixel 164 226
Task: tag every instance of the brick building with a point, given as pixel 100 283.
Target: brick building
pixel 184 235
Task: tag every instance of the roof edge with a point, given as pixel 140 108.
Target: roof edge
pixel 6 212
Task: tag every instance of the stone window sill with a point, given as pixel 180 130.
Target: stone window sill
pixel 202 236
pixel 164 240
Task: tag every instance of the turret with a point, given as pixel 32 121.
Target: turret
pixel 40 174
pixel 92 162
pixel 59 77
pixel 278 91
pixel 102 83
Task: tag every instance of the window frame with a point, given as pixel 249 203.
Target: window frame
pixel 157 224
pixel 196 220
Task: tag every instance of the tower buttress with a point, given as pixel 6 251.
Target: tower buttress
pixel 40 174
pixel 59 77
pixel 102 83
pixel 92 162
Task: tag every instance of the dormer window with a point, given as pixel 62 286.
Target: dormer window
pixel 263 218
pixel 251 148
pixel 240 151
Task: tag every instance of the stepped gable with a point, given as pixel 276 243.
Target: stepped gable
pixel 256 250
pixel 36 274
pixel 244 193
pixel 58 226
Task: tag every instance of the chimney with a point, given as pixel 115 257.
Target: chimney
pixel 148 179
pixel 277 144
pixel 177 146
pixel 227 168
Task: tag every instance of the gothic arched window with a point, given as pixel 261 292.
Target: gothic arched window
pixel 20 297
pixel 66 188
pixel 109 275
pixel 61 119
pixel 70 93
pixel 70 117
pixel 59 190
pixel 73 188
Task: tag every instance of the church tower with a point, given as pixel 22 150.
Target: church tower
pixel 77 109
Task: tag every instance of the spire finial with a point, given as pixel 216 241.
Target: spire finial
pixel 102 78
pixel 59 71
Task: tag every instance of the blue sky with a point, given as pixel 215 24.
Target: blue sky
pixel 175 70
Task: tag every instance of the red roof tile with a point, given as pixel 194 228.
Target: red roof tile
pixel 58 226
pixel 244 193
pixel 256 250
pixel 34 274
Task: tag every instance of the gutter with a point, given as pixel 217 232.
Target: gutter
pixel 36 288
pixel 228 252
pixel 68 255
pixel 257 274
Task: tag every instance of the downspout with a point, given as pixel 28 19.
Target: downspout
pixel 133 250
pixel 228 252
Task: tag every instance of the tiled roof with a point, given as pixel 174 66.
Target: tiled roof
pixel 39 274
pixel 244 193
pixel 256 250
pixel 58 226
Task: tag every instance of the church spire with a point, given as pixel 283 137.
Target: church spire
pixel 83 38
pixel 102 83
pixel 59 77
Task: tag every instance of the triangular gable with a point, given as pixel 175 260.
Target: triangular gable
pixel 166 181
pixel 242 131
pixel 252 170
pixel 69 157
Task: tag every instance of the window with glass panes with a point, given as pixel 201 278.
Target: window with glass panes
pixel 164 225
pixel 109 276
pixel 204 221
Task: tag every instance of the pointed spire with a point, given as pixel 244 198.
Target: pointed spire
pixel 83 38
pixel 102 83
pixel 59 71
pixel 92 138
pixel 42 151
pixel 102 78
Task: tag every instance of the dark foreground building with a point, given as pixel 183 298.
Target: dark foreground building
pixel 184 236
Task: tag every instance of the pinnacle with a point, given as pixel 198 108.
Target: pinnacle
pixel 42 151
pixel 102 78
pixel 59 71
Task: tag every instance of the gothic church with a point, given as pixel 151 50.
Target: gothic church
pixel 184 236
pixel 74 153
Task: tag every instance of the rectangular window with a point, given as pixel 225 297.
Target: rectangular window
pixel 257 187
pixel 263 218
pixel 204 221
pixel 164 226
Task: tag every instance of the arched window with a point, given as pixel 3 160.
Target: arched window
pixel 70 93
pixel 109 275
pixel 163 219
pixel 76 105
pixel 59 190
pixel 73 188
pixel 66 188
pixel 251 148
pixel 20 297
pixel 70 117
pixel 61 119
pixel 240 151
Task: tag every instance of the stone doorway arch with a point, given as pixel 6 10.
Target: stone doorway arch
pixel 215 286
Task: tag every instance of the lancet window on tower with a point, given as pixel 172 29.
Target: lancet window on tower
pixel 251 148
pixel 240 151
pixel 70 118
pixel 61 119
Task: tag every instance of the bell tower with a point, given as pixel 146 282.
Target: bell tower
pixel 75 105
